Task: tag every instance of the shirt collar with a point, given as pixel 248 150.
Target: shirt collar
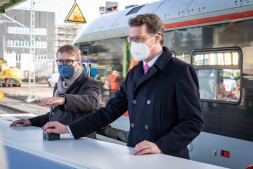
pixel 150 63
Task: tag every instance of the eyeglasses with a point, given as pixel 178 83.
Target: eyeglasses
pixel 137 39
pixel 67 61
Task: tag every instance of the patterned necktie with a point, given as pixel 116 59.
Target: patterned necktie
pixel 146 67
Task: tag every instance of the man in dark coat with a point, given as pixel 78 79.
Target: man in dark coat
pixel 75 94
pixel 161 94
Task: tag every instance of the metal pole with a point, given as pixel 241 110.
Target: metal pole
pixel 3 46
pixel 31 86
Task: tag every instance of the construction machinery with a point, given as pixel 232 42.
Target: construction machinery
pixel 10 76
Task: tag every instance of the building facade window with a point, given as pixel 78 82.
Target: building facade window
pixel 18 57
pixel 26 44
pixel 21 30
pixel 10 43
pixel 37 57
pixel 40 57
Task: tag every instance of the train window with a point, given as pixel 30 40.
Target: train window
pixel 134 10
pixel 184 56
pixel 216 59
pixel 85 53
pixel 219 74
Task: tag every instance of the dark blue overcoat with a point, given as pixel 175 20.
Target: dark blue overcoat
pixel 163 105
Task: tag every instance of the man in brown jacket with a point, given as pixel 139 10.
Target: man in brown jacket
pixel 75 94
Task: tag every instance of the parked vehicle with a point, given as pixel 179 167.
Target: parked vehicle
pixel 53 79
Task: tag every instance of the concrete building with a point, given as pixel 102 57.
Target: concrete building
pixel 15 38
pixel 65 34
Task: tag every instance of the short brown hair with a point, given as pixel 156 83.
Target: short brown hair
pixel 153 22
pixel 70 49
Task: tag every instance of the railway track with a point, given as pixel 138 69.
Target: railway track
pixel 11 113
pixel 13 108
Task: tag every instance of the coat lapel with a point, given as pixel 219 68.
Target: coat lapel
pixel 159 65
pixel 147 76
pixel 138 72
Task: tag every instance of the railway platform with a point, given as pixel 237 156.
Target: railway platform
pixel 26 149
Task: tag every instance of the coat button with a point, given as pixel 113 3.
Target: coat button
pixel 146 126
pixel 52 113
pixel 132 125
pixel 148 102
pixel 134 101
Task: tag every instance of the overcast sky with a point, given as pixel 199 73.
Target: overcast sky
pixel 89 8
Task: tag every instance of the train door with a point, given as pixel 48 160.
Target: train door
pixel 85 53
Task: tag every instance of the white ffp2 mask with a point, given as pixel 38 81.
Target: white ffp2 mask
pixel 140 51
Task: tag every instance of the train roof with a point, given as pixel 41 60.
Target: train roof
pixel 175 14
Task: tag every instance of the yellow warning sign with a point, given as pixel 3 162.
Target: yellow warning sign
pixel 75 15
pixel 1 95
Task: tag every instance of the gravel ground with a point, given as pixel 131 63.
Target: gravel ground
pixel 41 91
pixel 4 110
pixel 21 106
pixel 32 108
pixel 16 96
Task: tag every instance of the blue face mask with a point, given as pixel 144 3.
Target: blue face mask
pixel 66 71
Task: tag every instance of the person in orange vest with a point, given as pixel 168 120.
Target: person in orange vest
pixel 114 79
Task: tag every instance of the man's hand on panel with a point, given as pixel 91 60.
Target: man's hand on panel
pixel 146 147
pixel 55 127
pixel 22 122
